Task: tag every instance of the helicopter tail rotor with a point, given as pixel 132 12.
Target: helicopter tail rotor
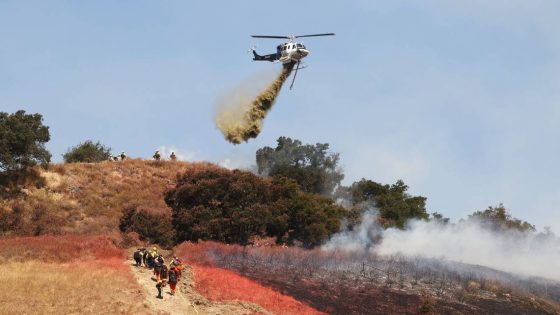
pixel 251 49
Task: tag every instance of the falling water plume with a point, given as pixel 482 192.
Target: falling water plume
pixel 244 121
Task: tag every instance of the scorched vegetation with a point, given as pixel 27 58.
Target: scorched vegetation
pixel 339 282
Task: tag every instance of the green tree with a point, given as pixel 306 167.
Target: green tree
pixel 497 218
pixel 439 218
pixel 212 203
pixel 311 166
pixel 87 152
pixel 152 227
pixel 313 218
pixel 22 141
pixel 395 205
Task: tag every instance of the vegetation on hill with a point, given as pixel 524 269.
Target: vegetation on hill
pixel 22 146
pixel 204 201
pixel 23 137
pixel 497 218
pixel 151 227
pixel 89 198
pixel 311 166
pixel 88 152
pixel 214 203
pixel 395 205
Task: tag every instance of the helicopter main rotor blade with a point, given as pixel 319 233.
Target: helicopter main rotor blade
pixel 267 36
pixel 313 35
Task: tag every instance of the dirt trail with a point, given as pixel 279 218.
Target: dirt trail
pixel 186 300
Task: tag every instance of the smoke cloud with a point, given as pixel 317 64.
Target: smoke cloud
pixel 527 254
pixel 240 119
pixel 361 238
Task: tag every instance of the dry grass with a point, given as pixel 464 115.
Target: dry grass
pixel 66 275
pixel 60 249
pixel 222 285
pixel 88 198
pixel 34 287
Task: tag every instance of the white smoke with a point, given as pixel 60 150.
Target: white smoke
pixel 360 238
pixel 165 153
pixel 528 254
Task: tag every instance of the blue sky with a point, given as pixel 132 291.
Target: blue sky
pixel 457 98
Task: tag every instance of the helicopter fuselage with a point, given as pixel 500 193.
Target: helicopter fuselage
pixel 285 53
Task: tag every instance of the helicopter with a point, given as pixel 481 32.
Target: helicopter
pixel 286 53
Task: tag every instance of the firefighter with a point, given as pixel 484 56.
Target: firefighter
pixel 177 264
pixel 138 257
pixel 157 156
pixel 173 278
pixel 159 285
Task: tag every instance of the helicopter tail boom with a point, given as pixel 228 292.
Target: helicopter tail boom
pixel 257 57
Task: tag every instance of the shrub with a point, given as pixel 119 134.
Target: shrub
pixel 427 303
pixel 37 219
pixel 87 152
pixel 151 227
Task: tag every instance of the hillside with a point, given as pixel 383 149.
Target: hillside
pixel 51 233
pixel 89 198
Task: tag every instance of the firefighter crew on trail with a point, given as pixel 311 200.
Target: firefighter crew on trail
pixel 163 274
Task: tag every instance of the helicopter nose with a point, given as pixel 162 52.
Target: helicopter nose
pixel 304 52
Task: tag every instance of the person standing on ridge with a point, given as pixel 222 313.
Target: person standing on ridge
pixel 173 157
pixel 123 156
pixel 157 156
